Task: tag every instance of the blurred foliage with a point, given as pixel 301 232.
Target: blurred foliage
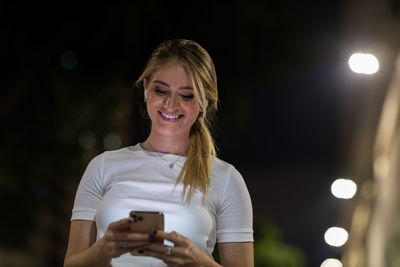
pixel 393 247
pixel 270 249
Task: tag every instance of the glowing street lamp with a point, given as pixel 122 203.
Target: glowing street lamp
pixel 336 236
pixel 344 188
pixel 363 63
pixel 331 263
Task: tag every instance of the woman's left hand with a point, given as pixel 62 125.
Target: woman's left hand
pixel 183 253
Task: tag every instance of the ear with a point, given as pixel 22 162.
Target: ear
pixel 145 89
pixel 206 105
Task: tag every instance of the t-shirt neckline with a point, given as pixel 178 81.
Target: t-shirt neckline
pixel 138 147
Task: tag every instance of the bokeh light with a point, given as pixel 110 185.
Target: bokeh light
pixel 336 236
pixel 68 60
pixel 112 141
pixel 331 263
pixel 87 139
pixel 363 63
pixel 344 188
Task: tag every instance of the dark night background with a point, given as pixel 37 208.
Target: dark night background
pixel 280 66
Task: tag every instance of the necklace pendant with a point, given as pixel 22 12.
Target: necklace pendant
pixel 171 166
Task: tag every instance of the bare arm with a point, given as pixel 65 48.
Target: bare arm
pixel 236 254
pixel 84 250
pixel 185 253
pixel 81 249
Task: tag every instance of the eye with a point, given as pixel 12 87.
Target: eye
pixel 159 91
pixel 187 97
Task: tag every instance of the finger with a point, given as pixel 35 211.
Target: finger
pixel 120 251
pixel 173 236
pixel 135 244
pixel 157 248
pixel 158 255
pixel 164 257
pixel 175 251
pixel 126 236
pixel 120 248
pixel 121 224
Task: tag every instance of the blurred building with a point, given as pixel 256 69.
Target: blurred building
pixel 372 120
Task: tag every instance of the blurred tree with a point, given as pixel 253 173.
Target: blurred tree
pixel 393 248
pixel 270 250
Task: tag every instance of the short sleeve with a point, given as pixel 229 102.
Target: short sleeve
pixel 90 191
pixel 235 214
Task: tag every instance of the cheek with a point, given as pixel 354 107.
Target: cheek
pixel 152 104
pixel 151 110
pixel 192 109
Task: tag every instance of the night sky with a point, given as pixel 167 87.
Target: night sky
pixel 279 68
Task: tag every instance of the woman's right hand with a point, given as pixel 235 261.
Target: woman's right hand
pixel 119 240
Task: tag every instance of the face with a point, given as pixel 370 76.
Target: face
pixel 171 102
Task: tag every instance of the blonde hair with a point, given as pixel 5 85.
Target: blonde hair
pixel 195 173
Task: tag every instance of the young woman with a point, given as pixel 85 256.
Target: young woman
pixel 175 171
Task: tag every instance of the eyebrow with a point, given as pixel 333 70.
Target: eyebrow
pixel 166 84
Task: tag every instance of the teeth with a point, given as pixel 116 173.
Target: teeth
pixel 169 117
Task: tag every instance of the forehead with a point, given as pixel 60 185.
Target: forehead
pixel 172 73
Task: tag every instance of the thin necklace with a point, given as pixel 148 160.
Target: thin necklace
pixel 170 165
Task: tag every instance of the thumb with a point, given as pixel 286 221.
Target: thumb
pixel 122 224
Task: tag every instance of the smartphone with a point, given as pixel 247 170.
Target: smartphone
pixel 146 222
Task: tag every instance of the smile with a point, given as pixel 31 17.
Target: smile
pixel 170 117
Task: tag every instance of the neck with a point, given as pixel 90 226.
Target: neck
pixel 177 145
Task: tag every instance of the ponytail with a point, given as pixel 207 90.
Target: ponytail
pixel 196 171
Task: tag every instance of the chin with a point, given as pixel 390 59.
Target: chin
pixel 167 131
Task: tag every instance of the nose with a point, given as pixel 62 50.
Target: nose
pixel 171 101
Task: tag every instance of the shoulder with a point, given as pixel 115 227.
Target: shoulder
pixel 228 190
pixel 129 150
pixel 221 167
pixel 120 154
pixel 115 158
pixel 107 164
pixel 223 173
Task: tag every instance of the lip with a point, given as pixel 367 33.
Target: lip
pixel 170 118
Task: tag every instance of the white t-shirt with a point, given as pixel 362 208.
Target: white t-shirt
pixel 131 178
